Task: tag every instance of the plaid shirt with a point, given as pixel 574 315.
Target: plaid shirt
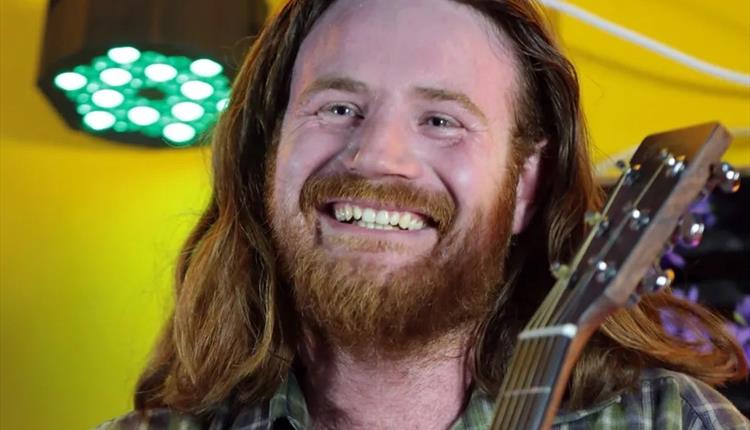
pixel 665 401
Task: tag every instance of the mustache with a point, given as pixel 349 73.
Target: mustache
pixel 436 205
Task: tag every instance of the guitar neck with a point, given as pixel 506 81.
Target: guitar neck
pixel 667 172
pixel 544 356
pixel 538 364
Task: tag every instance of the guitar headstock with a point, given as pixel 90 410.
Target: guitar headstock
pixel 666 174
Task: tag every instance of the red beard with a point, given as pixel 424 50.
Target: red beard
pixel 352 305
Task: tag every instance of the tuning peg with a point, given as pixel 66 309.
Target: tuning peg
pixel 604 271
pixel 727 177
pixel 596 219
pixel 689 232
pixel 560 271
pixel 638 219
pixel 675 165
pixel 633 300
pixel 657 279
pixel 628 171
pixel 592 217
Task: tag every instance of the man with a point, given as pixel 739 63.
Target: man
pixel 392 180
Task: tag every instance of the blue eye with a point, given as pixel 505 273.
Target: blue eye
pixel 436 121
pixel 442 122
pixel 342 110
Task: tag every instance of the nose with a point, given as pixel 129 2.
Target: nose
pixel 383 147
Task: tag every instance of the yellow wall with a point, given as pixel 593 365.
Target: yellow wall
pixel 629 92
pixel 89 229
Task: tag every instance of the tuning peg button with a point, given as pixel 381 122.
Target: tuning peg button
pixel 657 279
pixel 690 230
pixel 638 219
pixel 728 177
pixel 633 300
pixel 675 165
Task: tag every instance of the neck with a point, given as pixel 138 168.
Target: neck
pixel 426 390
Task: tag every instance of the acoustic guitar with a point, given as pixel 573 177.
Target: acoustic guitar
pixel 614 266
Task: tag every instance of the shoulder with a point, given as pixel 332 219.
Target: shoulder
pixel 663 400
pixel 700 405
pixel 250 418
pixel 151 419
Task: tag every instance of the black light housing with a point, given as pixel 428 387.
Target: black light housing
pixel 149 72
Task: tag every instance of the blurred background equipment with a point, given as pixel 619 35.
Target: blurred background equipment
pixel 144 71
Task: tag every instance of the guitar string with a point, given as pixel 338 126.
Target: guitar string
pixel 606 248
pixel 527 349
pixel 538 320
pixel 609 244
pixel 544 317
pixel 539 348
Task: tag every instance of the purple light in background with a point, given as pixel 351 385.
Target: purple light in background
pixel 690 332
pixel 740 329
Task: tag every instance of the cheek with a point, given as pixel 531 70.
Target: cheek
pixel 472 173
pixel 301 154
pixel 464 177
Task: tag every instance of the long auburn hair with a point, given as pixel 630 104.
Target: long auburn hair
pixel 232 333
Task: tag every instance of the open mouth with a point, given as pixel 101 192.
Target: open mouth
pixel 378 218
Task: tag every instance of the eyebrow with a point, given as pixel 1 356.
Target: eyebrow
pixel 334 83
pixel 442 95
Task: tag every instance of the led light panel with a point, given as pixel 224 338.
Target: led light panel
pixel 128 90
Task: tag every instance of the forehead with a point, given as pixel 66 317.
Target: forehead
pixel 414 42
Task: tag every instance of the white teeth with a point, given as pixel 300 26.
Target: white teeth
pixel 378 219
pixel 405 221
pixel 368 215
pixel 339 214
pixel 382 218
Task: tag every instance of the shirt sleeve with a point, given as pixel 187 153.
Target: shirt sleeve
pixel 664 400
pixel 706 408
pixel 151 419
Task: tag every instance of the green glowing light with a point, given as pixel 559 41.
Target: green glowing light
pixel 124 54
pixel 145 92
pixel 187 111
pixel 206 68
pixel 99 120
pixel 107 98
pixel 115 76
pixel 143 115
pixel 222 104
pixel 196 90
pixel 70 81
pixel 121 126
pixel 160 72
pixel 84 108
pixel 178 132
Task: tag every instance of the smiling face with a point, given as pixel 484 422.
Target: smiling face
pixel 391 187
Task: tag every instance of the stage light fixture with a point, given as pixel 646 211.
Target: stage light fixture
pixel 149 72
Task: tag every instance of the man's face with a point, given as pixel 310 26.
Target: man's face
pixel 391 192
